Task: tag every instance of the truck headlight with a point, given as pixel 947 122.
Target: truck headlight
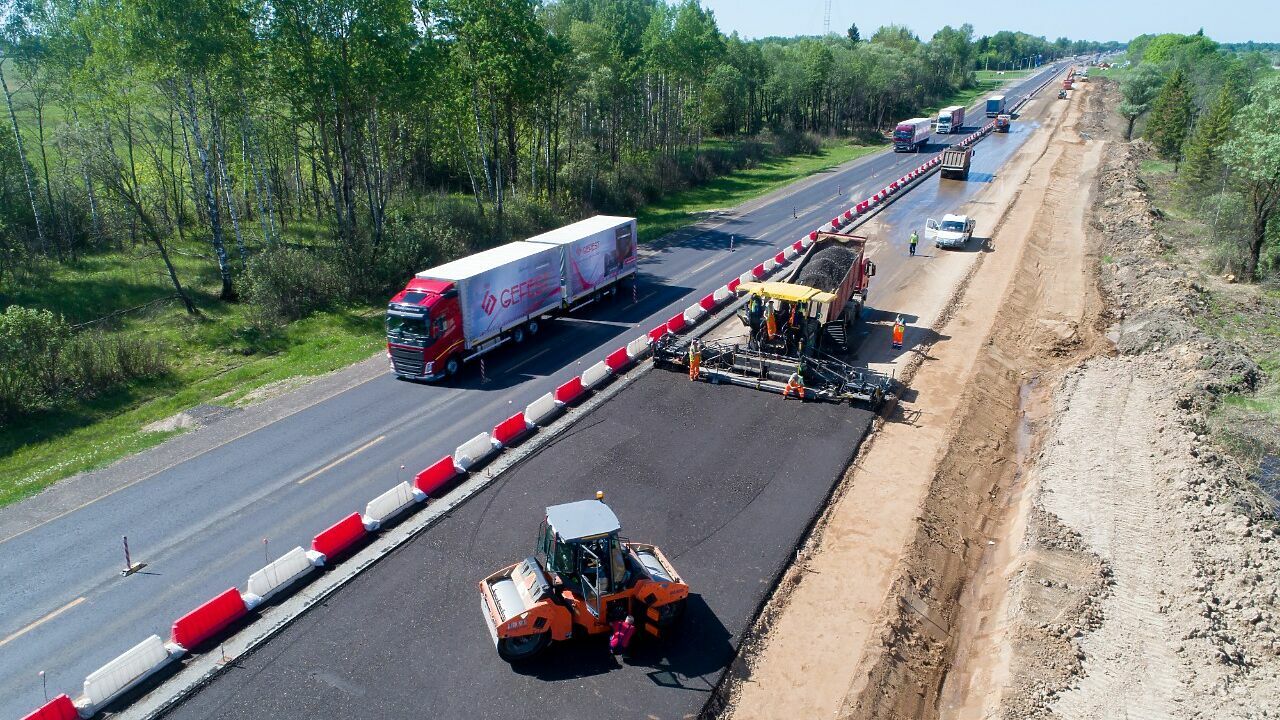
pixel 428 367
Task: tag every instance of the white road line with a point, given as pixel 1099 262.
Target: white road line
pixel 343 459
pixel 41 621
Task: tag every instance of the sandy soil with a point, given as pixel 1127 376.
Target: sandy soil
pixel 861 625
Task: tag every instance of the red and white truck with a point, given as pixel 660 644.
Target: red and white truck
pixel 456 312
pixel 950 120
pixel 911 135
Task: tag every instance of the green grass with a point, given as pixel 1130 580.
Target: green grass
pixel 1156 167
pixel 684 208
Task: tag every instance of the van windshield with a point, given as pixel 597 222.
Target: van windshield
pixel 953 226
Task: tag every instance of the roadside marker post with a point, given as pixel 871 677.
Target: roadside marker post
pixel 483 378
pixel 130 567
pixel 731 243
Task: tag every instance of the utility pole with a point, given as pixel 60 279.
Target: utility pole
pixel 826 19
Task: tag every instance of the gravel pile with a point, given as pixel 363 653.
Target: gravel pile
pixel 826 269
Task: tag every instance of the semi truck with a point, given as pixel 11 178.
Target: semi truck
pixel 1002 123
pixel 955 163
pixel 911 135
pixel 950 120
pixel 456 312
pixel 995 105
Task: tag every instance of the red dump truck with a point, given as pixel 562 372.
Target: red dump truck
pixel 456 312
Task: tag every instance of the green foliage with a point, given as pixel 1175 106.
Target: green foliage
pixel 1139 89
pixel 1253 155
pixel 1170 115
pixel 290 284
pixel 1172 46
pixel 1202 163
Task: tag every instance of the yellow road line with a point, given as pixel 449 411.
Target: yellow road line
pixel 344 458
pixel 41 621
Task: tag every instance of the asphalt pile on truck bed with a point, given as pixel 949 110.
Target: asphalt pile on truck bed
pixel 828 268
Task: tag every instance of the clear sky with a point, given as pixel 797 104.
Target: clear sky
pixel 1231 21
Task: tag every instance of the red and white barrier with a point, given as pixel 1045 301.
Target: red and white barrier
pixel 746 277
pixel 401 497
pixel 617 360
pixel 722 293
pixel 595 375
pixel 540 411
pixel 472 452
pixel 340 536
pixel 434 476
pixel 758 271
pixel 638 347
pixel 510 430
pixel 694 313
pixel 657 332
pixel 279 574
pixel 676 323
pixel 569 391
pixel 206 621
pixel 128 669
pixel 59 708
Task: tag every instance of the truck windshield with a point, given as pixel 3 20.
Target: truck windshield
pixel 952 226
pixel 406 327
pixel 902 134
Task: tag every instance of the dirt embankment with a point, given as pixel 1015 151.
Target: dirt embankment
pixel 1162 602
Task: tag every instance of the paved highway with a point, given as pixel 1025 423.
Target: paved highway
pixel 200 521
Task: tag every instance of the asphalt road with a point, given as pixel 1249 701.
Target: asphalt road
pixel 406 638
pixel 200 524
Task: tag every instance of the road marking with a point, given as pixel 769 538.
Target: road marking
pixel 41 621
pixel 700 268
pixel 344 458
pixel 532 357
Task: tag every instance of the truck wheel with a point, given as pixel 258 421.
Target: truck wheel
pixel 533 327
pixel 519 649
pixel 517 335
pixel 452 366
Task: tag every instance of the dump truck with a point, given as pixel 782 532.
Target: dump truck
pixel 459 311
pixel 814 313
pixel 1003 122
pixel 995 105
pixel 953 232
pixel 582 578
pixel 911 135
pixel 950 119
pixel 955 163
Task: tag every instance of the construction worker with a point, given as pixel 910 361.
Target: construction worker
pixel 695 358
pixel 622 632
pixel 911 243
pixel 795 384
pixel 770 321
pixel 899 329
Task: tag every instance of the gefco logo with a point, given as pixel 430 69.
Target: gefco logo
pixel 588 249
pixel 513 295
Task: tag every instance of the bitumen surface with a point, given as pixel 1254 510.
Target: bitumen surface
pixel 724 479
pixel 207 509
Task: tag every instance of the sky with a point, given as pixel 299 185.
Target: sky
pixel 1077 19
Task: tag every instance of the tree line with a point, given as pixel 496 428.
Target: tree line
pixel 1216 114
pixel 379 135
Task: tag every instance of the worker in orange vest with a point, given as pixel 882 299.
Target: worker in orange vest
pixel 795 384
pixel 695 358
pixel 770 321
pixel 899 329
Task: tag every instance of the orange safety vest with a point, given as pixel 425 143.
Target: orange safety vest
pixel 770 323
pixel 898 331
pixel 695 363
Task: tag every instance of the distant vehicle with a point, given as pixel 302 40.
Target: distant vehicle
pixel 995 105
pixel 1062 94
pixel 456 312
pixel 955 163
pixel 953 232
pixel 1003 122
pixel 950 120
pixel 911 135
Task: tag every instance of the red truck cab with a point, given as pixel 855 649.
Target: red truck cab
pixel 424 330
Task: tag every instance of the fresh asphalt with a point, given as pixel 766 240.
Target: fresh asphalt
pixel 201 524
pixel 723 479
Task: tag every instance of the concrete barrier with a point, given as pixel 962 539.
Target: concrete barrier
pixel 541 410
pixel 708 302
pixel 617 360
pixel 722 293
pixel 438 474
pixel 127 670
pixel 694 313
pixel 276 575
pixel 396 500
pixel 789 253
pixel 473 451
pixel 812 236
pixel 676 323
pixel 848 214
pixel 208 620
pixel 758 271
pixel 569 391
pixel 769 265
pixel 595 374
pixel 635 350
pixel 509 430
pixel 658 332
pixel 746 277
pixel 340 536
pixel 781 258
pixel 59 708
